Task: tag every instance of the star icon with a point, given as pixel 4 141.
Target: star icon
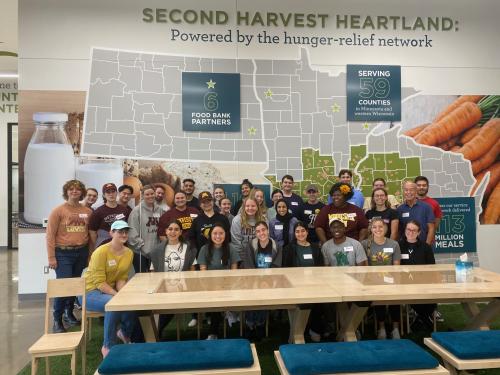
pixel 268 93
pixel 211 84
pixel 335 108
pixel 366 126
pixel 252 131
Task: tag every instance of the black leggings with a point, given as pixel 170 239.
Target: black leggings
pixel 381 313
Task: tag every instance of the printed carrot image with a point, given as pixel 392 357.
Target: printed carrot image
pixel 492 212
pixel 457 121
pixel 470 125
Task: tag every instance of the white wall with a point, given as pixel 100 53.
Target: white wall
pixel 488 238
pixel 8 113
pixel 8 64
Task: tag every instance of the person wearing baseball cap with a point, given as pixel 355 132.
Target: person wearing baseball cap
pixel 109 188
pixel 119 225
pixel 310 210
pixel 206 220
pixel 106 275
pixel 105 215
pixel 341 250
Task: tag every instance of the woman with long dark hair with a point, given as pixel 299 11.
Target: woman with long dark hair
pixel 261 252
pixel 416 251
pixel 217 254
pixel 381 208
pixel 302 253
pixel 174 254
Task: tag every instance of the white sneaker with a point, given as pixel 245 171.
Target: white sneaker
pixel 232 318
pixel 192 323
pixel 382 335
pixel 438 316
pixel 212 337
pixel 315 337
pixel 358 335
pixel 395 334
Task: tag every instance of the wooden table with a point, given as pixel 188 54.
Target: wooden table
pixel 353 288
pixel 362 287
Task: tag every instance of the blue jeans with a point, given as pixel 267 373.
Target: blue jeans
pixel 96 300
pixel 70 263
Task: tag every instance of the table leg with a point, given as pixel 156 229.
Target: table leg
pixel 298 321
pixel 149 328
pixel 350 318
pixel 480 319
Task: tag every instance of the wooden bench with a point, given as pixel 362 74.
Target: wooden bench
pixel 375 357
pixel 213 349
pixel 471 344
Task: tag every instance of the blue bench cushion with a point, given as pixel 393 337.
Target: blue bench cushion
pixel 470 344
pixel 177 356
pixel 362 356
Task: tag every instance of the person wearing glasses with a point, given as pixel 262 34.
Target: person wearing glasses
pixel 418 210
pixel 106 275
pixel 416 251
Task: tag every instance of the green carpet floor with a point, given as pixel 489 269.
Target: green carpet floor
pixel 454 319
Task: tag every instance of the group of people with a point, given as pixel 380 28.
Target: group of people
pixel 208 232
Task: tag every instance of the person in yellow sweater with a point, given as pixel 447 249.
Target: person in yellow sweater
pixel 106 275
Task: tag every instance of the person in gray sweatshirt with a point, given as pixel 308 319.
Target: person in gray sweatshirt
pixel 243 224
pixel 143 222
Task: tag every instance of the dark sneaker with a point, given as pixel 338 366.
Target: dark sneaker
pixel 58 326
pixel 70 319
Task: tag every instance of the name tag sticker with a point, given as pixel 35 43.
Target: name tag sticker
pixel 388 280
pixel 295 203
pixel 111 262
pixel 308 212
pixel 268 259
pixel 348 248
pixel 406 214
pixel 405 256
pixel 193 216
pixel 83 216
pixel 119 216
pixel 388 250
pixel 308 256
pixel 278 227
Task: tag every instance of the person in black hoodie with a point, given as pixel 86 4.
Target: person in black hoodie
pixel 302 253
pixel 206 220
pixel 415 251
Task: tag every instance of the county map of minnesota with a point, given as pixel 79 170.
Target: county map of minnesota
pixel 293 119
